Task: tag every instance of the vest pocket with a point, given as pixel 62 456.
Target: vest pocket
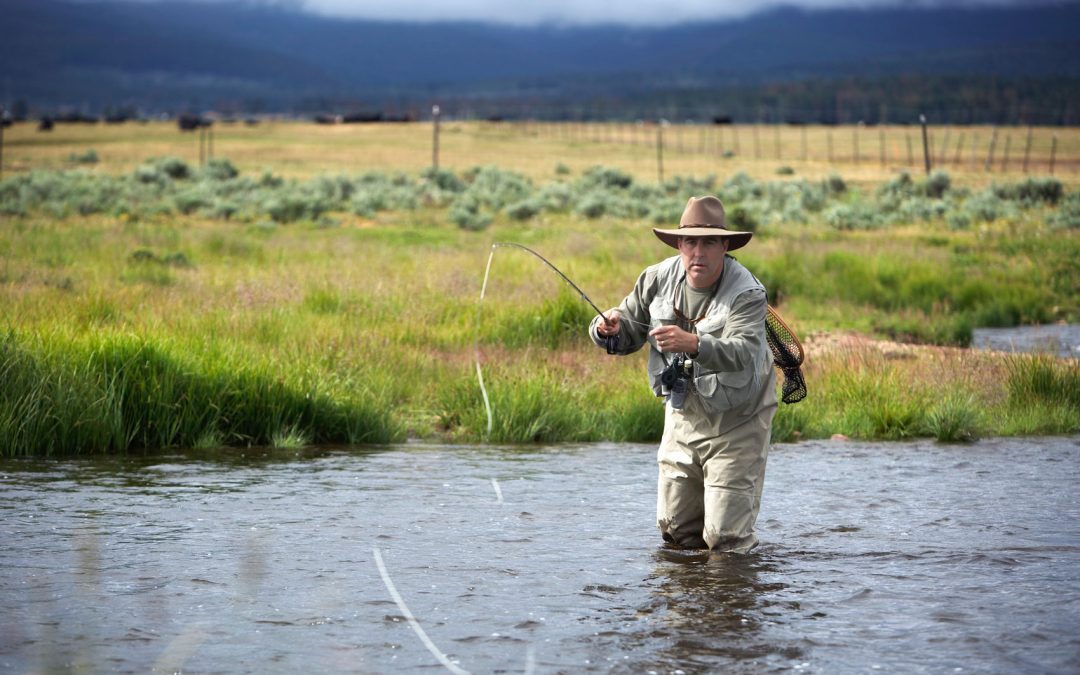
pixel 721 392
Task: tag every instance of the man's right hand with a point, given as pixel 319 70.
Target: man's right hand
pixel 610 325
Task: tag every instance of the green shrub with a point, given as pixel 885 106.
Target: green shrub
pixel 1031 191
pixel 858 216
pixel 937 184
pixel 741 218
pixel 603 177
pixel 219 169
pixel 1067 216
pixel 592 205
pixel 465 213
pixel 88 157
pixel 524 209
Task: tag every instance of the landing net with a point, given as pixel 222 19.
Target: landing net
pixel 787 355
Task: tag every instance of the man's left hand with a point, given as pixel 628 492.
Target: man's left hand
pixel 672 339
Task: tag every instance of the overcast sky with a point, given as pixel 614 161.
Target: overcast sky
pixel 576 12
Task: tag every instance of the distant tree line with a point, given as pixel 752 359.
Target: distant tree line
pixel 944 99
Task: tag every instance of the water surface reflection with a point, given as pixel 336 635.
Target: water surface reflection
pixel 902 557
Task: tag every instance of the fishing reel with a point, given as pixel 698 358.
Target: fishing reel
pixel 676 379
pixel 611 343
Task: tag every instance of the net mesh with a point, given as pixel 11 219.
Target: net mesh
pixel 787 355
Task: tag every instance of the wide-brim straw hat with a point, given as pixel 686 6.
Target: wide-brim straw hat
pixel 703 217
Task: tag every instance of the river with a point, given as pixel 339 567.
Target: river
pixel 900 557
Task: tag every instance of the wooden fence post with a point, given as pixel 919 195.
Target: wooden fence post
pixel 990 152
pixel 435 137
pixel 925 144
pixel 1027 149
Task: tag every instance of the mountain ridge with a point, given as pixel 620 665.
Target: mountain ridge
pixel 171 55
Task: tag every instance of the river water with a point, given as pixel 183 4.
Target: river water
pixel 1059 339
pixel 906 557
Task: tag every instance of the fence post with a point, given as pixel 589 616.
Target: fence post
pixel 1005 155
pixel 925 144
pixel 1053 153
pixel 990 152
pixel 1 142
pixel 959 150
pixel 1027 149
pixel 202 145
pixel 881 145
pixel 435 137
pixel 910 152
pixel 855 143
pixel 209 143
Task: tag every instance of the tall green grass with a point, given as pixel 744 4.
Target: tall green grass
pixel 118 393
pixel 1044 395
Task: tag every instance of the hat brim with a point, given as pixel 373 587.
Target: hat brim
pixel 671 237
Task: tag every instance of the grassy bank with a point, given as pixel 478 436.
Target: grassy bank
pixel 181 306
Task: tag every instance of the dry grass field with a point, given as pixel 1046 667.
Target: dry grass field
pixel 766 152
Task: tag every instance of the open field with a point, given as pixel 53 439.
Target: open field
pixel 328 292
pixel 303 150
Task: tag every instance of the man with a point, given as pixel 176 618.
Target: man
pixel 706 309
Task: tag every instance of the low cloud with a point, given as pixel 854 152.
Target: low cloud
pixel 583 12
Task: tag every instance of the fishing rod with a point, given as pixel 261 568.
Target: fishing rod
pixel 556 270
pixel 610 341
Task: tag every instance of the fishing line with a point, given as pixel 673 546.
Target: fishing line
pixel 483 292
pixel 435 651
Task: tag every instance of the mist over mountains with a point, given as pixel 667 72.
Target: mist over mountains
pixel 174 56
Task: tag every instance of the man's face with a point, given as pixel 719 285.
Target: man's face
pixel 703 259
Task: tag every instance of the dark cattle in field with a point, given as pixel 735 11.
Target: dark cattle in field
pixel 326 119
pixel 46 124
pixel 362 117
pixel 721 119
pixel 187 122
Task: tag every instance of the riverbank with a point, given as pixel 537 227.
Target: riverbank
pixel 183 307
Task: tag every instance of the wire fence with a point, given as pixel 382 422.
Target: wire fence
pixel 862 149
pixel 648 151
